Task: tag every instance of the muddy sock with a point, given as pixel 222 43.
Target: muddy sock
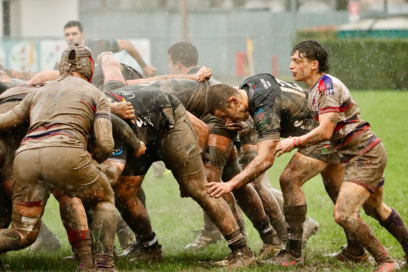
pixel 361 233
pixel 10 239
pixel 81 246
pixel 397 228
pixel 354 248
pixel 235 240
pixel 208 224
pixel 148 242
pixel 104 261
pixel 281 229
pixel 266 231
pixel 295 217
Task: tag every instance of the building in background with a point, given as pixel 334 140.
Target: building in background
pixel 32 35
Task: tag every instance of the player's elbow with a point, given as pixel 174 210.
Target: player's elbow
pixel 104 148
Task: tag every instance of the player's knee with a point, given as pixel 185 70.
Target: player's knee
pixel 344 219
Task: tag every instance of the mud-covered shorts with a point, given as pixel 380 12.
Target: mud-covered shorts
pixel 174 147
pixel 367 170
pixel 324 152
pixel 37 171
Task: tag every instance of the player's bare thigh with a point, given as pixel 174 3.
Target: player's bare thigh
pixel 299 170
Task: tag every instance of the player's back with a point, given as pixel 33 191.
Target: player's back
pixel 278 106
pixel 69 105
pixel 190 93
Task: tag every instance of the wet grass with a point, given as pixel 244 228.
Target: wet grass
pixel 173 218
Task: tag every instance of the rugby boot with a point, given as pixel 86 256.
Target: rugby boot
pixel 226 261
pixel 284 258
pixel 46 240
pixel 268 251
pixel 386 267
pixel 105 262
pixel 150 254
pixel 242 257
pixel 310 227
pixel 125 235
pixel 204 239
pixel 345 256
pixel 130 252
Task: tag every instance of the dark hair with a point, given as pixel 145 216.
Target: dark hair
pixel 313 50
pixel 185 53
pixel 217 97
pixel 74 23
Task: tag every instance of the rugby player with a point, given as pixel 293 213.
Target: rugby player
pixel 183 59
pixel 73 33
pixel 362 152
pixel 221 160
pixel 163 124
pixel 279 109
pixel 70 208
pixel 61 116
pixel 46 240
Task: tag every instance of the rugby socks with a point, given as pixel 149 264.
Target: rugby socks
pixel 360 232
pixel 266 231
pixel 397 228
pixel 281 229
pixel 148 242
pixel 354 248
pixel 235 240
pixel 80 241
pixel 295 217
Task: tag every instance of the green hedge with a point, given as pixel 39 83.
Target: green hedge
pixel 368 64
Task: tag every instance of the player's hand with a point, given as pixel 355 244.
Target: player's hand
pixel 123 110
pixel 149 71
pixel 217 189
pixel 203 74
pixel 141 150
pixel 242 127
pixel 100 56
pixel 284 146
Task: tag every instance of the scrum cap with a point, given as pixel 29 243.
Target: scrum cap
pixel 77 58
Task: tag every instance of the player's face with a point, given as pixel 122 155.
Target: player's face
pixel 300 67
pixel 235 113
pixel 73 35
pixel 173 67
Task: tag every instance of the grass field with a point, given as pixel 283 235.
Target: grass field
pixel 174 218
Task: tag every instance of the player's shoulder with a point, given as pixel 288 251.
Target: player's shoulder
pixel 328 82
pixel 264 79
